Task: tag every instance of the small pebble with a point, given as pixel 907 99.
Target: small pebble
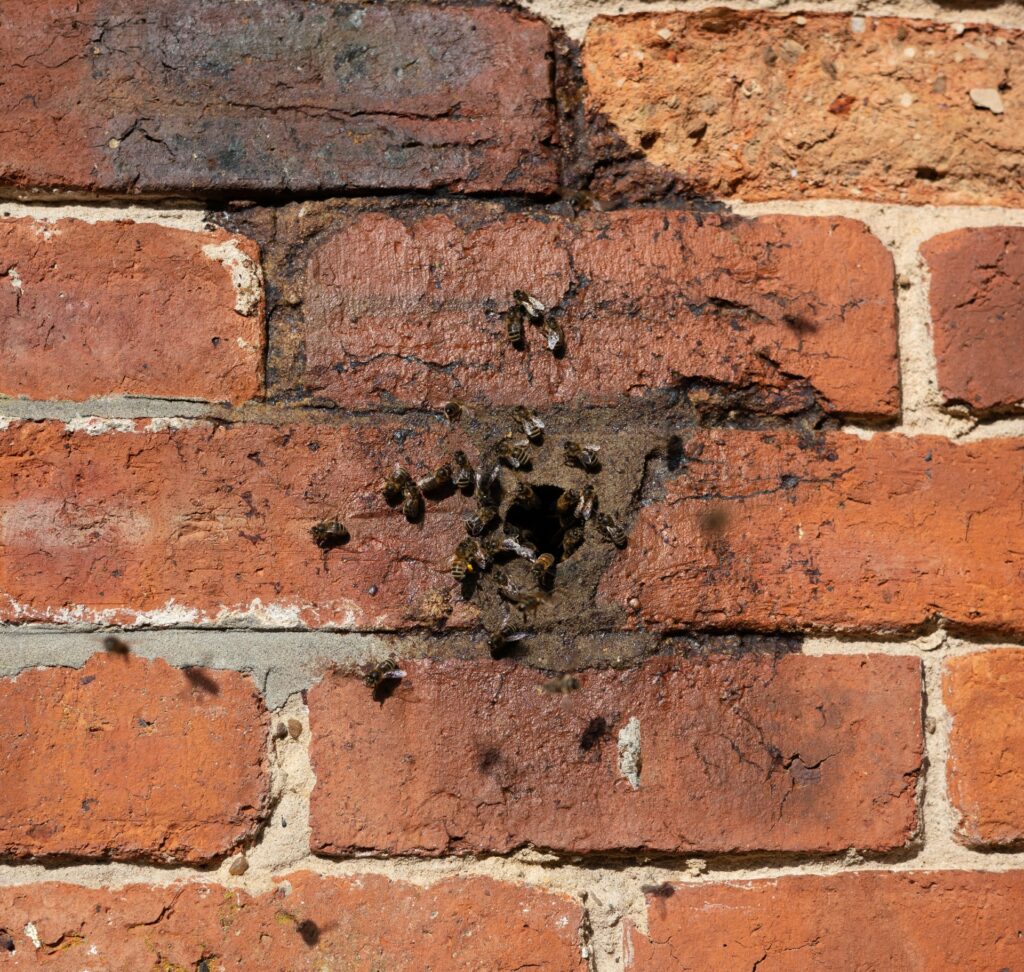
pixel 238 866
pixel 989 98
pixel 294 728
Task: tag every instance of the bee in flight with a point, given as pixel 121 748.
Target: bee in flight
pixel 561 685
pixel 500 641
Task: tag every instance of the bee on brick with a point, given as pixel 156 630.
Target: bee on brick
pixel 531 424
pixel 572 540
pixel 382 678
pixel 543 569
pixel 328 534
pixel 394 486
pixel 452 410
pixel 482 520
pixel 610 530
pixel 587 503
pixel 412 502
pixel 462 561
pixel 583 457
pixel 515 453
pixel 462 471
pixel 438 481
pixel 514 320
pixel 554 336
pixel 532 308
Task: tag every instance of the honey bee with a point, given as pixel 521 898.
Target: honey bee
pixel 518 545
pixel 530 423
pixel 514 317
pixel 376 677
pixel 328 534
pixel 482 519
pixel 115 645
pixel 554 336
pixel 515 453
pixel 584 457
pixel 572 540
pixel 566 504
pixel 485 552
pixel 543 568
pixel 501 640
pixel 489 484
pixel 588 501
pixel 440 479
pixel 462 471
pixel 610 530
pixel 412 502
pixel 394 486
pixel 526 496
pixel 561 685
pixel 531 307
pixel 452 410
pixel 462 562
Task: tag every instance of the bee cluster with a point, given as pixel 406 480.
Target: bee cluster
pixel 526 308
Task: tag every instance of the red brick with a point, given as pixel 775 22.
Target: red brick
pixel 791 532
pixel 111 96
pixel 764 106
pixel 977 298
pixel 925 920
pixel 742 754
pixel 984 693
pixel 361 924
pixel 130 759
pixel 200 523
pixel 128 309
pixel 409 310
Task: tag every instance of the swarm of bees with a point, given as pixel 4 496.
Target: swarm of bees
pixel 526 308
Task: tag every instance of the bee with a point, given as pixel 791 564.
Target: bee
pixel 554 336
pixel 561 685
pixel 115 645
pixel 385 671
pixel 543 569
pixel 588 501
pixel 462 471
pixel 610 530
pixel 485 552
pixel 394 486
pixel 328 534
pixel 462 562
pixel 572 540
pixel 440 479
pixel 452 410
pixel 514 317
pixel 481 521
pixel 489 484
pixel 500 641
pixel 531 307
pixel 517 544
pixel 585 457
pixel 515 453
pixel 530 423
pixel 530 601
pixel 526 496
pixel 412 502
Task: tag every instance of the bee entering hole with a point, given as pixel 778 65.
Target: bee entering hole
pixel 540 517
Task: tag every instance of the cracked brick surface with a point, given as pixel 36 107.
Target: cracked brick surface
pixel 128 759
pixel 755 753
pixel 301 96
pixel 361 924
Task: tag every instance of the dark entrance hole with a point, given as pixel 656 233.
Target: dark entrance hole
pixel 539 522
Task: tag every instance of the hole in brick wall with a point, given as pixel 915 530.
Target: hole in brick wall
pixel 540 523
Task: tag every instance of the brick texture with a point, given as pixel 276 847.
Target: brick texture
pixel 780 531
pixel 409 310
pixel 131 760
pixel 197 523
pixel 363 924
pixel 121 308
pixel 763 106
pixel 872 920
pixel 977 300
pixel 795 754
pixel 984 694
pixel 302 96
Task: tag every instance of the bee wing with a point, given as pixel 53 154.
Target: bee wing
pixel 534 305
pixel 516 636
pixel 554 339
pixel 395 673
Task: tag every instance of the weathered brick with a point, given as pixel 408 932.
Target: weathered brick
pixel 764 106
pixel 192 523
pixel 867 920
pixel 363 924
pixel 742 754
pixel 409 309
pixel 130 759
pixel 984 693
pixel 790 532
pixel 128 309
pixel 303 96
pixel 977 298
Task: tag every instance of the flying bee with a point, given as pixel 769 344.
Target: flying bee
pixel 328 534
pixel 567 503
pixel 610 530
pixel 462 471
pixel 412 502
pixel 584 457
pixel 561 685
pixel 526 496
pixel 115 645
pixel 439 480
pixel 377 677
pixel 554 336
pixel 481 521
pixel 515 453
pixel 501 640
pixel 588 501
pixel 452 410
pixel 530 423
pixel 530 601
pixel 514 318
pixel 572 540
pixel 531 307
pixel 543 569
pixel 394 486
pixel 462 562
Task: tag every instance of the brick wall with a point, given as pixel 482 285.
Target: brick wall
pixel 768 715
